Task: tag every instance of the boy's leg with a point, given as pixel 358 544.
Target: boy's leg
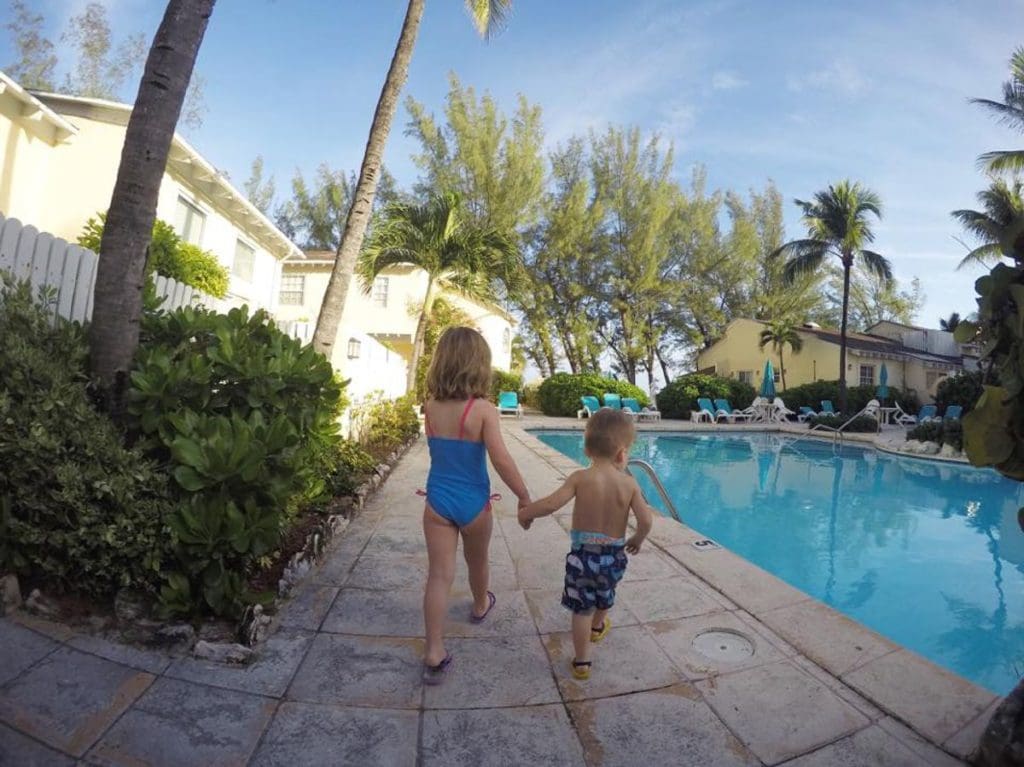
pixel 442 540
pixel 476 540
pixel 597 621
pixel 581 623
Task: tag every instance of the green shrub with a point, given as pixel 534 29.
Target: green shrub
pixel 860 424
pixel 953 434
pixel 857 397
pixel 531 394
pixel 680 397
pixel 169 256
pixel 943 432
pixel 245 420
pixel 76 507
pixel 502 380
pixel 963 389
pixel 382 425
pixel 560 394
pixel 931 431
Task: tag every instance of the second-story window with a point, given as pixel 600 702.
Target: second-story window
pixel 190 222
pixel 380 291
pixel 293 289
pixel 245 260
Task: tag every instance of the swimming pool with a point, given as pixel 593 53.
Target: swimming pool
pixel 928 554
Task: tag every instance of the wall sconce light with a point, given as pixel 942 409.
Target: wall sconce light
pixel 354 348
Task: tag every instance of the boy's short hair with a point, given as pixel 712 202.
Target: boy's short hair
pixel 608 432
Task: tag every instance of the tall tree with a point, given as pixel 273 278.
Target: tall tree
pixel 36 57
pixel 951 323
pixel 488 16
pixel 781 333
pixel 440 239
pixel 100 68
pixel 837 225
pixel 873 299
pixel 259 190
pixel 117 306
pixel 1001 204
pixel 1010 112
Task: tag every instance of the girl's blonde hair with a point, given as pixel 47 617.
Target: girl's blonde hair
pixel 461 368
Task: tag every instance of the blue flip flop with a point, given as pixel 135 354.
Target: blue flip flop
pixel 491 599
pixel 436 674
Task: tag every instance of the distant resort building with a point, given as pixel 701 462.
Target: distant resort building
pixel 916 358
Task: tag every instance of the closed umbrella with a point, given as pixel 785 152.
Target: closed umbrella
pixel 768 381
pixel 883 383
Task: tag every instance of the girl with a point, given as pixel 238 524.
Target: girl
pixel 462 429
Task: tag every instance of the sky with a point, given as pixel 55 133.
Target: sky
pixel 801 93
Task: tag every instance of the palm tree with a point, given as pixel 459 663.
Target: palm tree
pixel 117 301
pixel 1009 111
pixel 488 16
pixel 444 242
pixel 837 224
pixel 1001 204
pixel 779 333
pixel 951 323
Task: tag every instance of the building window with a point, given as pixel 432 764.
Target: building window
pixel 867 375
pixel 380 291
pixel 776 375
pixel 293 288
pixel 506 341
pixel 746 376
pixel 355 347
pixel 191 222
pixel 245 259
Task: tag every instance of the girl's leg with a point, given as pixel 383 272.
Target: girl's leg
pixel 476 539
pixel 442 541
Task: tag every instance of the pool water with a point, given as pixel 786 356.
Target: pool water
pixel 928 554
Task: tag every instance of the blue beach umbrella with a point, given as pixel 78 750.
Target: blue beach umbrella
pixel 883 383
pixel 768 381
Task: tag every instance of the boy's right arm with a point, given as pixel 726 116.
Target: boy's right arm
pixel 550 504
pixel 644 521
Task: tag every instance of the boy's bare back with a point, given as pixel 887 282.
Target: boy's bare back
pixel 604 495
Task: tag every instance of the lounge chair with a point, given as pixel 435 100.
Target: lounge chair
pixel 508 403
pixel 827 408
pixel 902 417
pixel 805 413
pixel 590 406
pixel 723 406
pixel 781 412
pixel 928 413
pixel 614 402
pixel 953 413
pixel 630 404
pixel 705 411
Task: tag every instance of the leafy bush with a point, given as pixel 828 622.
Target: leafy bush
pixel 930 431
pixel 942 432
pixel 680 397
pixel 963 389
pixel 560 394
pixel 953 434
pixel 502 380
pixel 76 507
pixel 857 397
pixel 169 256
pixel 382 425
pixel 245 419
pixel 860 424
pixel 531 394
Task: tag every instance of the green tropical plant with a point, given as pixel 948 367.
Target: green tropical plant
pixel 857 397
pixel 442 240
pixel 949 324
pixel 679 398
pixel 560 394
pixel 779 334
pixel 837 225
pixel 963 389
pixel 1001 203
pixel 382 425
pixel 1009 111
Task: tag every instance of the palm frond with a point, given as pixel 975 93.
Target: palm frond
pixel 1009 114
pixel 489 16
pixel 983 255
pixel 1005 161
pixel 877 264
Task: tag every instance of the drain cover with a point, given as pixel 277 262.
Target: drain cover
pixel 723 645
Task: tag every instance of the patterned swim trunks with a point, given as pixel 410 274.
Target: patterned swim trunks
pixel 592 571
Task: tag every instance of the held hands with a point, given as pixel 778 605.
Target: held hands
pixel 634 543
pixel 525 520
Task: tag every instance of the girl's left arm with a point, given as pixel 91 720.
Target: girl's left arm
pixel 503 462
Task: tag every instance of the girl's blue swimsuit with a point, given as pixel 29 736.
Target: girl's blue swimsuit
pixel 458 486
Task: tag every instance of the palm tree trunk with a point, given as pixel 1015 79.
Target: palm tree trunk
pixel 420 338
pixel 847 263
pixel 333 305
pixel 664 366
pixel 782 370
pixel 117 308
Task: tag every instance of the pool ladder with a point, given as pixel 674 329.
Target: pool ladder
pixel 649 471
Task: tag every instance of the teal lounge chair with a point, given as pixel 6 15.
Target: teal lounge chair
pixel 508 403
pixel 612 400
pixel 805 413
pixel 630 404
pixel 928 413
pixel 953 413
pixel 590 406
pixel 827 408
pixel 723 406
pixel 704 405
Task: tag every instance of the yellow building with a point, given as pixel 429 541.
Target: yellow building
pixel 916 359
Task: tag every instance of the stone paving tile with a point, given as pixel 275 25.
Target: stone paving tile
pixel 56 631
pixel 650 563
pixel 628 660
pixel 851 696
pixel 362 671
pixel 910 739
pixel 540 572
pixel 304 734
pixel 153 661
pixel 269 674
pixel 666 598
pixel 871 747
pixel 494 672
pixel 964 743
pixel 21 648
pixel 509 617
pixel 932 701
pixel 409 543
pixel 779 711
pixel 341 557
pixel 550 617
pixel 177 723
pixel 394 613
pixel 502 577
pixel 534 735
pixel 307 606
pixel 671 726
pixel 19 750
pixel 389 573
pixel 69 698
pixel 676 639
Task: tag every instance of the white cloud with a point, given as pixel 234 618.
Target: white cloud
pixel 727 81
pixel 676 123
pixel 839 76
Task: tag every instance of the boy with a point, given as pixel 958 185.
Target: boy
pixel 604 495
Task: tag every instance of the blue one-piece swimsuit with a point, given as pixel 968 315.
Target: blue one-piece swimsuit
pixel 458 486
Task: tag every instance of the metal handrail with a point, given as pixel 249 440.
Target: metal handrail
pixel 837 432
pixel 649 470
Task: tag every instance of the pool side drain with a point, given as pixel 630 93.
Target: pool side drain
pixel 723 645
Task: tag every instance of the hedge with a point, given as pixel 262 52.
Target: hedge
pixel 502 380
pixel 857 397
pixel 963 389
pixel 680 397
pixel 560 394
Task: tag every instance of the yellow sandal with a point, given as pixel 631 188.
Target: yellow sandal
pixel 581 669
pixel 596 635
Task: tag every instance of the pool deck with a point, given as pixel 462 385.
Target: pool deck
pixel 338 682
